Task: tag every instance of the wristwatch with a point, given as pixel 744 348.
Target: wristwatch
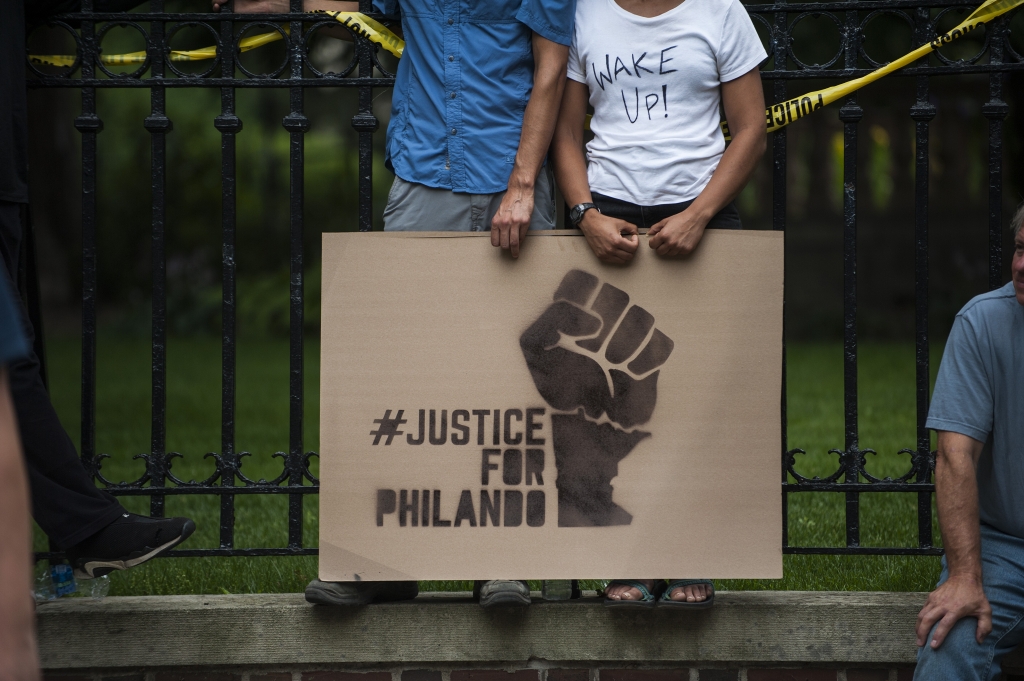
pixel 577 211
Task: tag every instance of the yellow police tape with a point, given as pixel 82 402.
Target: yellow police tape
pixel 784 113
pixel 357 22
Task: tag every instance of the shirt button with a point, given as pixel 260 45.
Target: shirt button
pixel 451 57
pixel 453 95
pixel 453 131
pixel 451 21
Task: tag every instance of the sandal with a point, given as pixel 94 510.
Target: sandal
pixel 647 600
pixel 666 596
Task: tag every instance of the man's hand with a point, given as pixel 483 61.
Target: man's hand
pixel 959 596
pixel 612 240
pixel 678 234
pixel 509 226
pixel 512 221
pixel 956 498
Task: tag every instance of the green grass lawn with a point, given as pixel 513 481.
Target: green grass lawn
pixel 887 424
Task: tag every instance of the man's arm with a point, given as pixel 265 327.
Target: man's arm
pixel 956 497
pixel 508 229
pixel 18 658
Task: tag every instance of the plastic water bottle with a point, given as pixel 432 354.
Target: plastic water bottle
pixel 95 588
pixel 59 581
pixel 63 579
pixel 557 589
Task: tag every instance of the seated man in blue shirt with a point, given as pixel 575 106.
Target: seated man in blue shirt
pixel 473 110
pixel 976 614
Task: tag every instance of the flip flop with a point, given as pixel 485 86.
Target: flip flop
pixel 666 596
pixel 647 600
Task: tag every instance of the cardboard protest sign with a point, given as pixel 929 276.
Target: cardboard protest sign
pixel 549 417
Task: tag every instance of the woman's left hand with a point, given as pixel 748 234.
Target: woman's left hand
pixel 678 234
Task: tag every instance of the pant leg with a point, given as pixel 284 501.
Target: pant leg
pixel 65 501
pixel 414 207
pixel 961 657
pixel 543 216
pixel 727 218
pixel 544 209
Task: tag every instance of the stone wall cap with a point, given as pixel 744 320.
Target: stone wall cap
pixel 155 632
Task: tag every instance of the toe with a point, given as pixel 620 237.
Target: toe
pixel 694 593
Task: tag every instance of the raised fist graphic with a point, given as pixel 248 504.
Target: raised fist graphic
pixel 592 355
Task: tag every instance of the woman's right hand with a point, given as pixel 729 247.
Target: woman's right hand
pixel 612 240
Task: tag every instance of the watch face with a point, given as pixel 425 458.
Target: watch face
pixel 576 214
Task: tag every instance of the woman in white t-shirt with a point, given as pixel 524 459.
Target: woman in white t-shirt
pixel 657 73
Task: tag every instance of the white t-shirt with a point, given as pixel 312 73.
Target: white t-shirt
pixel 654 85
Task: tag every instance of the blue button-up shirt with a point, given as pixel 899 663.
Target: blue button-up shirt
pixel 462 85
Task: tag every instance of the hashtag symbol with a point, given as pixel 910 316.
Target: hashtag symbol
pixel 387 426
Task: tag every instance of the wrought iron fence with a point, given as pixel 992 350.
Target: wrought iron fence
pixel 777 21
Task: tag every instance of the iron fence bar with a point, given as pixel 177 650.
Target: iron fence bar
pixel 780 46
pixel 922 112
pixel 861 551
pixel 296 123
pixel 366 124
pixel 158 125
pixel 212 489
pixel 850 114
pixel 892 486
pixel 229 125
pixel 89 125
pixel 995 110
pixel 58 556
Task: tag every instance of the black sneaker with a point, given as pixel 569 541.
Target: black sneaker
pixel 128 541
pixel 359 593
pixel 497 593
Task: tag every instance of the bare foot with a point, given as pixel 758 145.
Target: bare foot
pixel 623 592
pixel 694 593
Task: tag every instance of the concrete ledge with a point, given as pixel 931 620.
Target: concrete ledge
pixel 743 629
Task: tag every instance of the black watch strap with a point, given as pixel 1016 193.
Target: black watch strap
pixel 576 212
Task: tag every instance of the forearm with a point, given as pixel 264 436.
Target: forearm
pixel 570 166
pixel 541 112
pixel 733 171
pixel 956 498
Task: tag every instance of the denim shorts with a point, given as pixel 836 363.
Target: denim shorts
pixel 648 216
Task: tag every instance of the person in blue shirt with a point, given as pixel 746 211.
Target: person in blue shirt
pixel 472 113
pixel 975 616
pixel 474 106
